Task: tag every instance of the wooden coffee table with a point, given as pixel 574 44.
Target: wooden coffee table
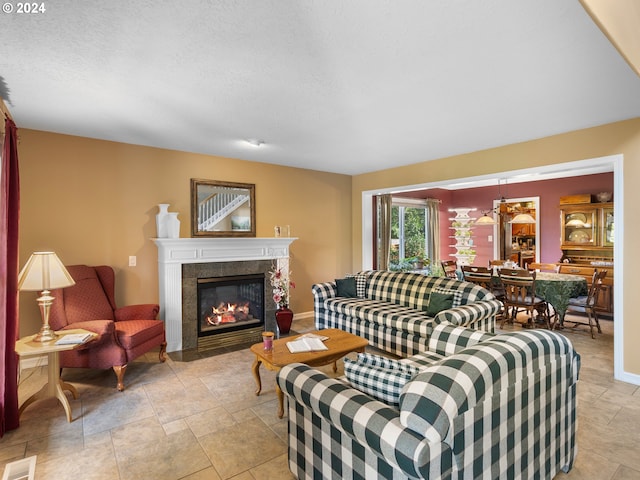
pixel 339 343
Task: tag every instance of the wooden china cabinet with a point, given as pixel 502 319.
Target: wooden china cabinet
pixel 587 231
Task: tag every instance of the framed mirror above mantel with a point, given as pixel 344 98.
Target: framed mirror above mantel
pixel 222 209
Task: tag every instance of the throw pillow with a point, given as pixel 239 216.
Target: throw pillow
pixel 361 283
pixel 346 287
pixel 438 302
pixel 457 295
pixel 384 384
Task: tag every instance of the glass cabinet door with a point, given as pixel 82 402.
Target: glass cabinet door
pixel 607 227
pixel 579 227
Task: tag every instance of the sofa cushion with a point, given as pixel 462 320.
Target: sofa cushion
pixel 438 302
pixel 458 296
pixel 346 287
pixel 382 383
pixel 388 314
pixel 132 333
pixel 361 282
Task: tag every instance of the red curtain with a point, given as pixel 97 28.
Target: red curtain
pixel 9 214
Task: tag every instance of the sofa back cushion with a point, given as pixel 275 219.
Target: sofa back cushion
pixel 91 298
pixel 430 402
pixel 413 289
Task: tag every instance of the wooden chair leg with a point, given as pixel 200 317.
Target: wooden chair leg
pixel 163 352
pixel 589 316
pixel 120 371
pixel 595 317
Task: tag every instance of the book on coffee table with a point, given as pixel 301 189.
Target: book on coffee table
pixel 307 343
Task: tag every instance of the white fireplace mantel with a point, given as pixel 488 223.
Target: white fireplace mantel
pixel 174 252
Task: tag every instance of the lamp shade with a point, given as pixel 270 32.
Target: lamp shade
pixel 44 271
pixel 523 218
pixel 486 220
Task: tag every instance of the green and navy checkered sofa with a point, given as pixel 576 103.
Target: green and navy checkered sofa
pixel 391 309
pixel 481 406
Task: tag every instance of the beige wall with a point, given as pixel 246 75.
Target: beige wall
pixel 619 20
pixel 94 202
pixel 617 138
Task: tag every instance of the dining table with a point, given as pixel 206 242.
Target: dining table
pixel 557 288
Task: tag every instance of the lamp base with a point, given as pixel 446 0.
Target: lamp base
pixel 45 334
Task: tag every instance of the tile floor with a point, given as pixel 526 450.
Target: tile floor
pixel 200 419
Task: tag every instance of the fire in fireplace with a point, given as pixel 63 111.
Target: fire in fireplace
pixel 230 303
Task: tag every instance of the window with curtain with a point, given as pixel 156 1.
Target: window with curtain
pixel 406 229
pixel 414 231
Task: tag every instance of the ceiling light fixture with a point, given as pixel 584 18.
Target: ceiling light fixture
pixel 486 219
pixel 254 142
pixel 523 218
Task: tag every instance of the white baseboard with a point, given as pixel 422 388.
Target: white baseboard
pixel 631 378
pixel 303 315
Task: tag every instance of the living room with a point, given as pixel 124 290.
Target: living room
pixel 94 202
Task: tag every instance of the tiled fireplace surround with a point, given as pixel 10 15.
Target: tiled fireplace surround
pixel 182 261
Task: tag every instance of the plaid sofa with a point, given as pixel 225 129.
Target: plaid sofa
pixel 390 309
pixel 482 407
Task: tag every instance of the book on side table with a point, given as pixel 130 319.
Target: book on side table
pixel 307 343
pixel 74 338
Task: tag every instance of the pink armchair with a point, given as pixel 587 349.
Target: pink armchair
pixel 123 333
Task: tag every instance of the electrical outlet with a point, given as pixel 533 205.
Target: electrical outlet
pixel 132 260
pixel 490 238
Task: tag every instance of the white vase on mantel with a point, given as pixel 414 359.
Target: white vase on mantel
pixel 173 225
pixel 161 224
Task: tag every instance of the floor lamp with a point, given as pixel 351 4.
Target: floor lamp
pixel 44 271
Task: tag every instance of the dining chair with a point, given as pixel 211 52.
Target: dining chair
pixel 543 267
pixel 520 295
pixel 588 303
pixel 484 277
pixel 480 275
pixel 496 263
pixel 450 268
pixel 549 268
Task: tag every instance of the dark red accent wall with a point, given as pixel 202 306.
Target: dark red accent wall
pixel 482 198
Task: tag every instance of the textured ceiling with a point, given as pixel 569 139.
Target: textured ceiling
pixel 341 86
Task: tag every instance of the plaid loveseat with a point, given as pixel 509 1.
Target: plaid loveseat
pixel 482 407
pixel 390 309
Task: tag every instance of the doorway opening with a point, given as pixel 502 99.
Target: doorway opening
pixel 517 242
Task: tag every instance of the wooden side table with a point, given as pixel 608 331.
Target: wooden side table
pixel 26 347
pixel 339 344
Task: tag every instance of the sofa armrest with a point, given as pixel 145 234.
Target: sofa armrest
pixel 369 422
pixel 465 315
pixel 322 291
pixel 147 311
